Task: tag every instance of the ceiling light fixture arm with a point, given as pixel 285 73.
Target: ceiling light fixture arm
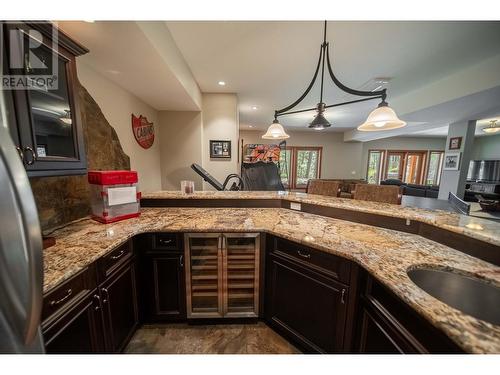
pixel 324 56
pixel 279 112
pixel 380 93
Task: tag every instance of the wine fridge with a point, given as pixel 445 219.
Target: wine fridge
pixel 222 277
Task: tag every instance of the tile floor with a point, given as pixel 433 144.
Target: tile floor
pixel 208 339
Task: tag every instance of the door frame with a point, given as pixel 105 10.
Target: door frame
pixel 293 164
pixel 422 168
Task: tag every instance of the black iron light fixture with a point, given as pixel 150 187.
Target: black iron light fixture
pixel 382 118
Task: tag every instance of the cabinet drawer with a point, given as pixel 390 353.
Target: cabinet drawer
pixel 166 241
pixel 335 266
pixel 110 262
pixel 70 291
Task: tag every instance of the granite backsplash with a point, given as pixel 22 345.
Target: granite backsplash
pixel 66 198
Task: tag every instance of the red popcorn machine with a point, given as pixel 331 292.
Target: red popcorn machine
pixel 114 195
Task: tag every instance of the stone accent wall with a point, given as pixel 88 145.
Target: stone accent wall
pixel 62 199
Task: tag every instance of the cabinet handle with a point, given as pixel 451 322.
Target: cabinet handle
pixel 181 260
pixel 342 299
pixel 69 292
pixel 20 152
pixel 303 255
pixel 98 299
pixel 120 254
pixel 105 300
pixel 165 242
pixel 33 155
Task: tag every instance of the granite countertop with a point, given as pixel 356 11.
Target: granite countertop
pixel 481 229
pixel 386 254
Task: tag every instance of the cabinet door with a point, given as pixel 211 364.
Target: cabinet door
pixel 119 299
pixel 78 330
pixel 48 117
pixel 241 258
pixel 203 252
pixel 305 306
pixel 376 338
pixel 164 284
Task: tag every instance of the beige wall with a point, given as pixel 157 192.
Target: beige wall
pixel 220 122
pixel 117 106
pixel 181 138
pixel 185 138
pixel 339 160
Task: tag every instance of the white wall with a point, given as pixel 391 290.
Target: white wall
pixel 181 138
pixel 339 159
pixel 220 122
pixel 486 147
pixel 117 105
pixel 454 180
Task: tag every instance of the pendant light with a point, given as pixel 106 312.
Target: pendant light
pixel 320 122
pixel 492 128
pixel 275 131
pixel 382 118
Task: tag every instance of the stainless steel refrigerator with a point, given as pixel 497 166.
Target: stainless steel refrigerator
pixel 21 267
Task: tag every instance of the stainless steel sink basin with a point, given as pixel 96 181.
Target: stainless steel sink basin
pixel 467 294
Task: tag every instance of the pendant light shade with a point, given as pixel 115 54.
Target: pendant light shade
pixel 382 118
pixel 320 122
pixel 275 131
pixel 492 128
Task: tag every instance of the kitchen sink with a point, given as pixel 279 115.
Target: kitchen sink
pixel 470 295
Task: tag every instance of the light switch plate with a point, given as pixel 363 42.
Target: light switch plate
pixel 295 206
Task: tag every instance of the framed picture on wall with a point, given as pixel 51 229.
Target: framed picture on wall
pixel 455 143
pixel 451 161
pixel 220 149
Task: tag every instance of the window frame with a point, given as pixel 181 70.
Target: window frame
pixel 440 166
pixel 381 166
pixel 424 168
pixel 292 177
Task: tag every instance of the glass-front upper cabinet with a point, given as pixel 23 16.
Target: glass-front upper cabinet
pixel 41 63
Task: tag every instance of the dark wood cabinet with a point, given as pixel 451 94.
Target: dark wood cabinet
pixel 163 284
pixel 119 305
pixel 388 326
pixel 44 118
pixel 304 301
pixel 79 317
pixel 77 329
pixel 165 296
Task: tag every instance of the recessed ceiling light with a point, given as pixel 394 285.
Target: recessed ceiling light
pixel 221 83
pixel 254 107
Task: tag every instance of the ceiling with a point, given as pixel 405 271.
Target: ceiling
pixel 123 52
pixel 269 64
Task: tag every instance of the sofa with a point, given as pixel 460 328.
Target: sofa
pixel 427 191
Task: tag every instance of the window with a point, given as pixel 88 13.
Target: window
pixel 375 160
pixel 285 163
pixel 412 167
pixel 298 164
pixel 306 166
pixel 434 168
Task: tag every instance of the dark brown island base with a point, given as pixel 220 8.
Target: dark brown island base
pixel 327 284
